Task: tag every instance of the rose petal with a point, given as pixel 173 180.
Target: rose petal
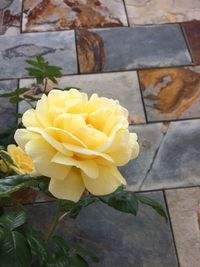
pixel 89 167
pixel 42 153
pixel 30 119
pixel 70 188
pixel 22 136
pixel 108 181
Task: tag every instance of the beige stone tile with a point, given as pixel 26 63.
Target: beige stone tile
pixel 184 208
pixel 162 11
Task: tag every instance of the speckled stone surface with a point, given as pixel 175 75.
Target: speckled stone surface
pixel 10 17
pixel 149 137
pixel 184 208
pixel 161 11
pixel 192 34
pixel 118 240
pixel 177 161
pixel 171 93
pixel 57 47
pixel 7 109
pixel 129 48
pixel 122 86
pixel 45 15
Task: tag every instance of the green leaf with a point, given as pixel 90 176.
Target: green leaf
pixel 14 250
pixel 77 261
pixel 6 157
pixel 67 88
pixel 154 204
pixel 15 99
pixel 37 244
pixel 65 205
pixel 12 220
pixel 14 183
pixel 82 203
pixel 122 200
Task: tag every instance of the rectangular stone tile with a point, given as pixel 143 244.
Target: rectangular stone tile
pixel 184 208
pixel 66 14
pixel 10 16
pixel 171 93
pixel 149 138
pixel 117 239
pixel 8 120
pixel 177 161
pixel 161 11
pixel 122 86
pixel 130 48
pixel 192 34
pixel 57 47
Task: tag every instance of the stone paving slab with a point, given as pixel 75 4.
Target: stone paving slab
pixel 171 93
pixel 130 48
pixel 192 34
pixel 10 17
pixel 149 138
pixel 66 14
pixel 57 47
pixel 142 241
pixel 184 208
pixel 177 161
pixel 6 108
pixel 122 86
pixel 161 11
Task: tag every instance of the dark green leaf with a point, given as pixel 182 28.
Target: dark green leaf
pixel 15 99
pixel 14 183
pixel 82 203
pixel 14 250
pixel 65 205
pixel 37 244
pixel 77 261
pixel 154 204
pixel 13 219
pixel 122 200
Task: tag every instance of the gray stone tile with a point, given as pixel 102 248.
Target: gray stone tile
pixel 149 137
pixel 177 162
pixel 7 109
pixel 184 208
pixel 129 48
pixel 118 239
pixel 122 86
pixel 57 47
pixel 10 17
pixel 161 11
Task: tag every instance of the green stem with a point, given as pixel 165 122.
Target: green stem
pixel 45 85
pixel 54 225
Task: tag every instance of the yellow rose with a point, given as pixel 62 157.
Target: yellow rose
pixel 78 142
pixel 22 161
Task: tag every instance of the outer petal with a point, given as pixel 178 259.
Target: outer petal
pixel 70 188
pixel 42 153
pixel 108 181
pixel 30 119
pixel 22 136
pixel 89 167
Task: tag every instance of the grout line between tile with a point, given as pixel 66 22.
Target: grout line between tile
pixel 141 95
pixel 126 12
pixel 171 228
pixel 77 54
pixel 153 160
pixel 187 42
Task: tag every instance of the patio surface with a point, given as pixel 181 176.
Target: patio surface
pixel 146 53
